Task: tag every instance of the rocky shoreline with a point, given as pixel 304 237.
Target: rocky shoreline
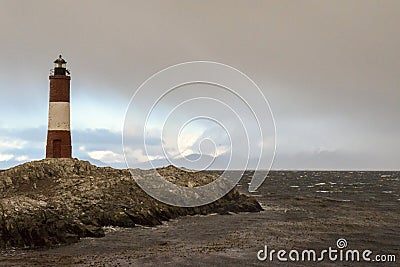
pixel 58 201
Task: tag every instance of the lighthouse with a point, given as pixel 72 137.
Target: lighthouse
pixel 59 135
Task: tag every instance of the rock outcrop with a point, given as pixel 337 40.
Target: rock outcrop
pixel 57 201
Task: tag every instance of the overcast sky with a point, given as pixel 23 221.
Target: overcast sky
pixel 329 69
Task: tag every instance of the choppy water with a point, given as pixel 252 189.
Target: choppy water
pixel 380 188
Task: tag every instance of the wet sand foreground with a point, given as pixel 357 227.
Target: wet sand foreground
pixel 303 210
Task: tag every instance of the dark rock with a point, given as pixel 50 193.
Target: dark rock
pixel 57 201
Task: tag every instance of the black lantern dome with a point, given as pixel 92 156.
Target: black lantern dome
pixel 60 66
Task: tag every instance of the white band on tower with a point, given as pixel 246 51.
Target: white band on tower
pixel 59 116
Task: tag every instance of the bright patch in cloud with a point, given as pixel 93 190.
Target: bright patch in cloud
pixel 221 150
pixel 6 157
pixel 140 156
pixel 106 156
pixel 186 142
pixel 22 158
pixel 8 143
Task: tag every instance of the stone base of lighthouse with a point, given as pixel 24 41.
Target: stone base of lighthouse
pixel 58 144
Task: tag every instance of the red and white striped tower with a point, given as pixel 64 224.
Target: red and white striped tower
pixel 59 135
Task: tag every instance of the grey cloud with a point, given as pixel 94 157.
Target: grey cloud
pixel 330 69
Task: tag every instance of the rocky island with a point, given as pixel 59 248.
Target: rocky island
pixel 58 201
